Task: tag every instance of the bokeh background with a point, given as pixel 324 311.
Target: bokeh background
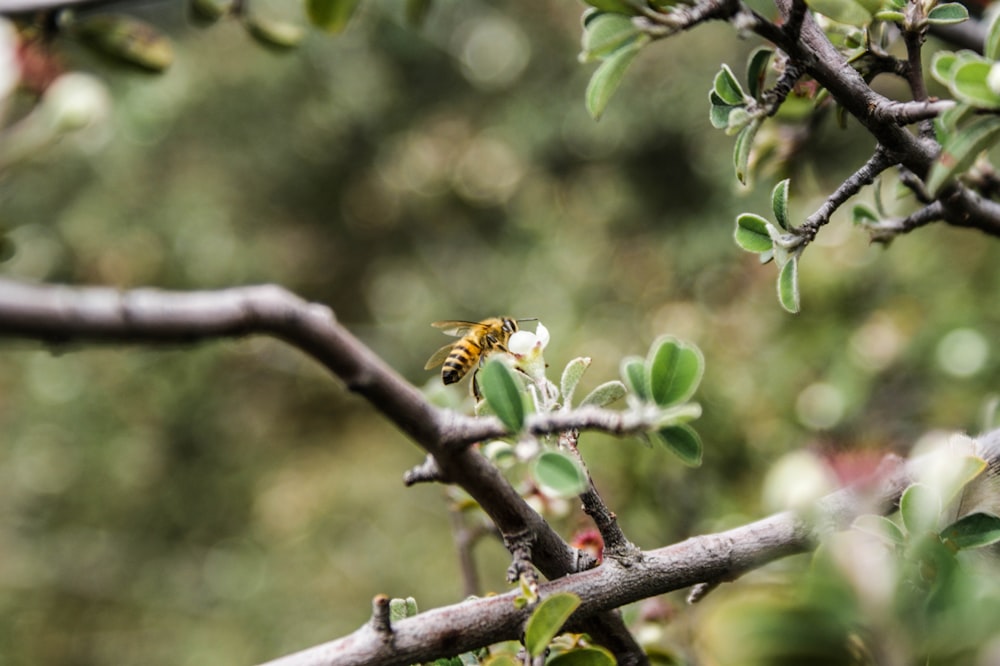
pixel 231 502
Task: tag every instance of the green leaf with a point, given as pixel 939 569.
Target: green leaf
pixel 947 13
pixel 881 528
pixel 675 370
pixel 920 508
pixel 739 118
pixel 960 149
pixel 779 203
pixel 273 33
pixel 751 233
pixel 330 15
pixel 503 393
pixel 683 441
pixel 757 70
pixel 604 394
pixel 970 83
pixel 973 531
pixel 402 608
pixel 728 88
pixel 212 10
pixel 606 78
pixel 126 39
pixel 890 16
pixel 788 285
pixel 560 474
pixel 862 215
pixel 571 377
pixel 991 48
pixel 587 656
pixel 606 33
pixel 719 111
pixel 850 12
pixel 546 621
pixel 741 151
pixel 618 6
pixel 633 371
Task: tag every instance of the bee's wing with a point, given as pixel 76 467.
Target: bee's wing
pixel 456 327
pixel 438 357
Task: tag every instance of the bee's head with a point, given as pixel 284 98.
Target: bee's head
pixel 509 325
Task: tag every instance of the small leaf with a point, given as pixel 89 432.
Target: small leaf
pixel 788 285
pixel 633 371
pixel 881 528
pixel 960 149
pixel 728 88
pixel 683 441
pixel 593 655
pixel 571 377
pixel 948 13
pixel 757 70
pixel 503 393
pixel 330 15
pixel 127 39
pixel 920 508
pixel 973 531
pixel 273 33
pixel 862 215
pixel 970 83
pixel 606 78
pixel 400 609
pixel 718 113
pixel 546 621
pixel 991 49
pixel 604 394
pixel 890 16
pixel 675 370
pixel 751 233
pixel 560 474
pixel 779 203
pixel 606 33
pixel 739 118
pixel 212 10
pixel 617 6
pixel 741 151
pixel 850 12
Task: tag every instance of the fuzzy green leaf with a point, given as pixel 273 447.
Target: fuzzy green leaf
pixel 126 39
pixel 571 377
pixel 960 149
pixel 211 10
pixel 970 84
pixel 560 474
pixel 741 151
pixel 502 392
pixel 719 111
pixel 331 15
pixel 546 621
pixel 973 531
pixel 850 12
pixel 587 656
pixel 757 70
pixel 683 441
pixel 728 88
pixel 605 394
pixel 618 6
pixel 879 527
pixel 779 203
pixel 862 215
pixel 633 371
pixel 920 508
pixel 606 33
pixel 608 76
pixel 991 49
pixel 788 285
pixel 751 233
pixel 948 13
pixel 273 33
pixel 675 369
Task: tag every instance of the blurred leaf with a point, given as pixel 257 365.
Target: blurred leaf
pixel 546 621
pixel 607 77
pixel 788 285
pixel 502 392
pixel 331 15
pixel 880 527
pixel 991 48
pixel 675 370
pixel 605 34
pixel 212 10
pixel 920 508
pixel 779 203
pixel 126 39
pixel 633 370
pixel 948 13
pixel 571 377
pixel 751 233
pixel 728 88
pixel 757 70
pixel 891 16
pixel 683 441
pixel 560 474
pixel 960 149
pixel 617 6
pixel 970 83
pixel 502 659
pixel 605 394
pixel 850 12
pixel 973 531
pixel 741 151
pixel 863 215
pixel 586 656
pixel 417 11
pixel 737 120
pixel 273 33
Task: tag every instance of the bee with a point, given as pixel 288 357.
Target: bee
pixel 478 340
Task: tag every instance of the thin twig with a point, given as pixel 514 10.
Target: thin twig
pixel 887 230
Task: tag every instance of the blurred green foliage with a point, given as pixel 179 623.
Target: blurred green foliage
pixel 230 502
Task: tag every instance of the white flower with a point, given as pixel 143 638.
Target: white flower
pixel 526 348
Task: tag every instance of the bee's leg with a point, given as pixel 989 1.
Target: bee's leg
pixel 474 385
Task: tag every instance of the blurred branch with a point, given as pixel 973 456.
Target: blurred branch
pixel 61 315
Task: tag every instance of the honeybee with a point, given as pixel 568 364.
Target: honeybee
pixel 478 339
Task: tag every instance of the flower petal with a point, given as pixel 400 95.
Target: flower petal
pixel 543 334
pixel 521 342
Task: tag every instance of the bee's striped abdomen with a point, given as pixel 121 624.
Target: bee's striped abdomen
pixel 462 357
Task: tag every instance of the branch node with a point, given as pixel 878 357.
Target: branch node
pixel 426 472
pixel 702 590
pixel 380 620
